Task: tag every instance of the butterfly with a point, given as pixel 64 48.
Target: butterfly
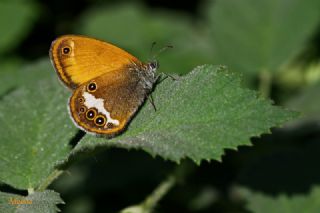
pixel 109 84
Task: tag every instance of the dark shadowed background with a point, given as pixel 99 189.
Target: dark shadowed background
pixel 275 45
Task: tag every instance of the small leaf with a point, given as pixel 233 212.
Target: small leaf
pixel 35 131
pixel 261 203
pixel 16 19
pixel 198 116
pixel 37 202
pixel 254 35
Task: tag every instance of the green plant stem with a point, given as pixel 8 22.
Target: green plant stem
pixel 152 200
pixel 265 83
pixel 55 174
pixel 164 187
pixel 180 173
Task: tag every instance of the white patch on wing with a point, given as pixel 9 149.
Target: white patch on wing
pixel 91 101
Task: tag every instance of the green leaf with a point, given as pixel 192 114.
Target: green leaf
pixel 255 35
pixel 198 116
pixel 35 131
pixel 13 75
pixel 298 76
pixel 8 70
pixel 145 27
pixel 37 202
pixel 262 203
pixel 16 18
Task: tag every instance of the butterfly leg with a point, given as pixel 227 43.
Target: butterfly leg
pixel 150 98
pixel 161 78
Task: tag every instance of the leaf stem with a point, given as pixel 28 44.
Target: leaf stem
pixel 162 189
pixel 152 200
pixel 55 174
pixel 265 83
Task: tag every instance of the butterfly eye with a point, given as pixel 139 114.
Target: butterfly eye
pixel 154 65
pixel 92 87
pixel 91 114
pixel 66 50
pixel 100 120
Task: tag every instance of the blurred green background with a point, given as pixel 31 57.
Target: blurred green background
pixel 274 44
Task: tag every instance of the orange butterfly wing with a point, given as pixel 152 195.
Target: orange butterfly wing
pixel 109 84
pixel 78 59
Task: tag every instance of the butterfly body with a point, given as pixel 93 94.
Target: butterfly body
pixel 109 84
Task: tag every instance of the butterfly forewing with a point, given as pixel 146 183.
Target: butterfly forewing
pixel 78 59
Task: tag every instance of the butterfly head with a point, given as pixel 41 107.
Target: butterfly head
pixel 153 65
pixel 147 74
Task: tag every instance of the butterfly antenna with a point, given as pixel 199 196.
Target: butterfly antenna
pixel 162 50
pixel 152 48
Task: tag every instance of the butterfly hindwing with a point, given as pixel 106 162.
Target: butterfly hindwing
pixel 104 105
